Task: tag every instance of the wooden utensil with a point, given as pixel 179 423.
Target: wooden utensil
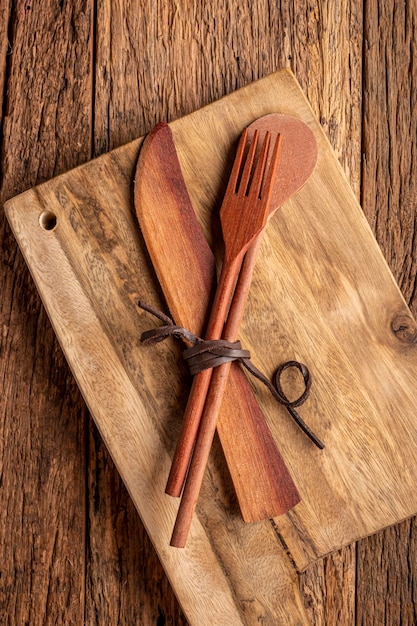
pixel 263 485
pixel 243 216
pixel 299 158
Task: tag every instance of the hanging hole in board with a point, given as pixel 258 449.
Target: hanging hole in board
pixel 48 220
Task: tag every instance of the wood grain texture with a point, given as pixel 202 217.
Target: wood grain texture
pixel 386 563
pixel 43 459
pixel 46 58
pixel 322 245
pixel 219 571
pixel 5 47
pixel 324 47
pixel 328 274
pixel 225 47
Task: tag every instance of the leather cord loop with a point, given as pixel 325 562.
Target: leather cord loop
pixel 307 382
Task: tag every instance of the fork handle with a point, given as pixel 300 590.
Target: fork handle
pixel 201 381
pixel 200 456
pixel 211 407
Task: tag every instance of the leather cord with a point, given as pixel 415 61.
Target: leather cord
pixel 204 354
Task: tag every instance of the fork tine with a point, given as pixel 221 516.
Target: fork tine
pixel 263 177
pixel 270 177
pixel 258 175
pixel 234 175
pixel 248 165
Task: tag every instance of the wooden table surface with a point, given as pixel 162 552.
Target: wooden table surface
pixel 78 79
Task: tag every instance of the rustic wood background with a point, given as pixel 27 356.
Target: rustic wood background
pixel 80 78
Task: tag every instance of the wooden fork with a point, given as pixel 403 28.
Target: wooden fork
pixel 243 216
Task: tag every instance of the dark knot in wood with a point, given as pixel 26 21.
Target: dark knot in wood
pixel 404 328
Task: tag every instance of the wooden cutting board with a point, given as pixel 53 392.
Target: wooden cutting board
pixel 322 294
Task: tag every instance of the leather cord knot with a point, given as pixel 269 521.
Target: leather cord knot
pixel 206 354
pixel 212 353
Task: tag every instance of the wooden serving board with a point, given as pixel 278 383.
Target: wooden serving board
pixel 322 294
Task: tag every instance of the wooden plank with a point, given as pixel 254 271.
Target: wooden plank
pixel 42 416
pixel 329 589
pixel 5 47
pixel 324 46
pixel 126 581
pixel 386 590
pixel 386 581
pixel 103 260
